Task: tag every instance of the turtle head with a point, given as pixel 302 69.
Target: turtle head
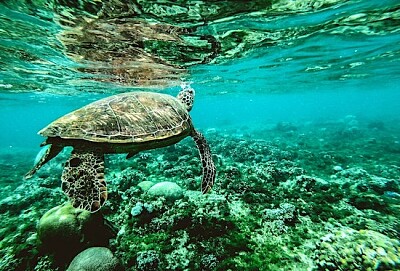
pixel 186 96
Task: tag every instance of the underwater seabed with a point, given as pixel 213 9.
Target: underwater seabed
pixel 315 196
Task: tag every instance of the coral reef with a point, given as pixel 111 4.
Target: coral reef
pixel 348 249
pixel 274 205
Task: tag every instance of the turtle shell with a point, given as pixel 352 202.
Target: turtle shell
pixel 133 117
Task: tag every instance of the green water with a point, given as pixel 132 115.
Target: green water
pixel 298 100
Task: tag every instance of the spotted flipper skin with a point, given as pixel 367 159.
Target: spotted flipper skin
pixel 206 161
pixel 83 180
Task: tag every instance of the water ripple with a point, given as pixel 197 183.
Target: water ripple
pixel 106 46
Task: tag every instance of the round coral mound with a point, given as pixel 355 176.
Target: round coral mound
pixel 95 259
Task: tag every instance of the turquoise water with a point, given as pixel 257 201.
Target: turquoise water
pixel 284 89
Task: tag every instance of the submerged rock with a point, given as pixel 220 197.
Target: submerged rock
pixel 65 230
pixel 168 190
pixel 337 168
pixel 95 259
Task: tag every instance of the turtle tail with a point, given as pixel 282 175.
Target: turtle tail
pixel 83 180
pixel 206 161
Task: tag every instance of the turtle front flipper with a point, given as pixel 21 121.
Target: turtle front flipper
pixel 206 161
pixel 83 180
pixel 51 151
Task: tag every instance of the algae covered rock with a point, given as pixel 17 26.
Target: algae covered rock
pixel 95 259
pixel 169 190
pixel 348 249
pixel 65 230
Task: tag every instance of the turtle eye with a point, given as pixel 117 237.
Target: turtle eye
pixel 74 162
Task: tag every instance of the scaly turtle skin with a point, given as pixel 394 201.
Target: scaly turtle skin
pixel 123 123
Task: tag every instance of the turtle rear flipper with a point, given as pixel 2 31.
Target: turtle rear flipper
pixel 83 180
pixel 206 161
pixel 51 152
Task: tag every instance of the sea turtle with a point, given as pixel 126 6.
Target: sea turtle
pixel 123 123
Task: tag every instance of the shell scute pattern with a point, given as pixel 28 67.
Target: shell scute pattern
pixel 124 118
